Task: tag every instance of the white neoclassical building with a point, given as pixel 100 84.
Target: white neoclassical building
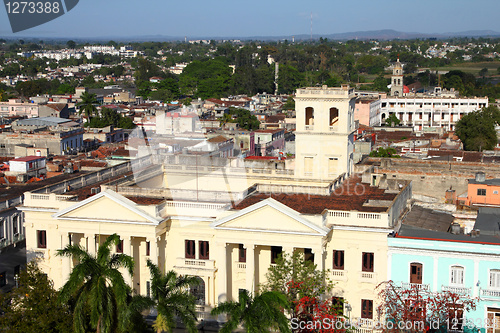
pixel 227 224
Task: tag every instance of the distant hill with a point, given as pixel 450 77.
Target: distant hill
pixel 386 34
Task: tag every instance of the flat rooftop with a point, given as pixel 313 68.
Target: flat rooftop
pixel 352 195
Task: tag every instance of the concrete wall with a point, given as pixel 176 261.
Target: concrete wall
pixel 432 178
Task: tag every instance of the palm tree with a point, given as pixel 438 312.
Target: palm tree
pixel 172 297
pixel 261 313
pixel 96 287
pixel 87 105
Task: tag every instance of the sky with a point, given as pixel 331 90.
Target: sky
pixel 236 18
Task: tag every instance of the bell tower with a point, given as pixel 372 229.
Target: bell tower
pixel 324 132
pixel 397 80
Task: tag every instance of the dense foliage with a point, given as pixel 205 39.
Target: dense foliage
pixel 34 306
pixel 477 131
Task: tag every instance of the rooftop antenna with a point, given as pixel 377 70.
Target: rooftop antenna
pixel 311 26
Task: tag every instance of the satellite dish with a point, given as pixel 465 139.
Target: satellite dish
pixel 36 13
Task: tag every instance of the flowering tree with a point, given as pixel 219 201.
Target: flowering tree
pixel 416 309
pixel 312 314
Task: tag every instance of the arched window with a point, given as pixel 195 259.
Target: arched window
pixel 309 116
pixel 334 116
pixel 198 291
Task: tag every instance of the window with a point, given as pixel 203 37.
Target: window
pixel 2 231
pixel 242 254
pixel 367 309
pixel 309 116
pixel 190 249
pixel 481 191
pixel 457 275
pixel 495 192
pixel 41 239
pixel 338 305
pixel 367 265
pixel 456 317
pixel 204 250
pixel 119 247
pixel 495 278
pixel 338 259
pixel 275 252
pixel 15 225
pixel 148 248
pixel 415 273
pixel 308 255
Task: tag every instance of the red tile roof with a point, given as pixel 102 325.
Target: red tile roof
pixel 350 196
pixel 27 159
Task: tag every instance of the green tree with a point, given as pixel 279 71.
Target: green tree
pixel 384 152
pixel 172 298
pixel 258 314
pixel 483 72
pixel 87 105
pixel 294 267
pixel 392 120
pixel 34 305
pixel 71 44
pixel 289 104
pixel 476 130
pixel 96 288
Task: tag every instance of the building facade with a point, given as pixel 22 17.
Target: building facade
pixel 324 135
pixel 421 112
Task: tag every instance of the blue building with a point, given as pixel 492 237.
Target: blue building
pixel 433 252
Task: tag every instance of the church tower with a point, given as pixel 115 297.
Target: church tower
pixel 324 132
pixel 397 80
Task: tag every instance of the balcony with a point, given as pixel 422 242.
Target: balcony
pixel 339 274
pixel 240 266
pixel 418 286
pixel 457 290
pixel 489 293
pixel 369 277
pixel 194 264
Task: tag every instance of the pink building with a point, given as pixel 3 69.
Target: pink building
pixel 16 107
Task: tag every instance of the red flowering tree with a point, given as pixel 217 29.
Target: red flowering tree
pixel 312 314
pixel 413 308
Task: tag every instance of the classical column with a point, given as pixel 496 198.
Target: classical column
pixel 221 272
pixel 318 258
pixel 127 249
pixel 250 269
pixel 66 260
pixel 153 250
pixel 91 247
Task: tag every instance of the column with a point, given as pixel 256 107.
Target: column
pixel 221 295
pixel 250 270
pixel 475 286
pixel 65 261
pixel 91 248
pixel 318 258
pixel 153 250
pixel 435 274
pixel 127 249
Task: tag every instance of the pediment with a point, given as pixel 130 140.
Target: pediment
pixel 269 216
pixel 107 206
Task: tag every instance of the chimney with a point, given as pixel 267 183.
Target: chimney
pixel 480 177
pixel 455 228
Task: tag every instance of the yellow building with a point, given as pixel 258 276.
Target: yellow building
pixel 183 217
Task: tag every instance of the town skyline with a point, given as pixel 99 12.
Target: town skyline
pixel 225 19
